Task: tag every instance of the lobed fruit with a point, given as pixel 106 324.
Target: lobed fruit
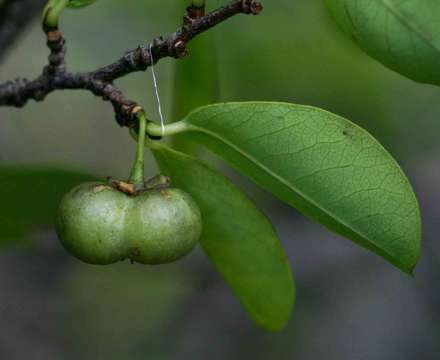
pixel 102 225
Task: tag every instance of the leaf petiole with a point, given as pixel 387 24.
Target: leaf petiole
pixel 156 130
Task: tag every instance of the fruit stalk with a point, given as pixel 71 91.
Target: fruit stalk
pixel 137 172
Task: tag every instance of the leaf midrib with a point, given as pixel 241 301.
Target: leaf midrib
pixel 192 127
pixel 407 23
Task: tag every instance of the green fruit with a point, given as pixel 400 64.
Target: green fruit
pixel 102 225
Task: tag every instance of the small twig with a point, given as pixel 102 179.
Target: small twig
pixel 57 46
pixel 100 82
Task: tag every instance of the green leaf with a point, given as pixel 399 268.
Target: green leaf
pixel 324 165
pixel 403 35
pixel 80 3
pixel 237 237
pixel 30 198
pixel 54 8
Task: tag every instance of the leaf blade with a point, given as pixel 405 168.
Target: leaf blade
pixel 325 166
pixel 404 36
pixel 238 238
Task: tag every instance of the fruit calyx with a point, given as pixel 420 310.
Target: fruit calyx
pixel 137 184
pixel 158 182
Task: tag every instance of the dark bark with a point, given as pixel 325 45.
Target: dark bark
pixel 100 82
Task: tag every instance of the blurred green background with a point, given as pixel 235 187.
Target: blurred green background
pixel 351 304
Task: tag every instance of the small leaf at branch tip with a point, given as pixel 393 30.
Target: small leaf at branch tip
pixel 52 12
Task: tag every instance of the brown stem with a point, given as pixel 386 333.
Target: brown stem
pixel 100 82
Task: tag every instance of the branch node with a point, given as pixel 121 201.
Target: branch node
pixel 101 81
pixel 137 60
pixel 180 49
pixel 252 7
pixel 125 113
pixel 192 13
pixel 54 35
pixel 137 109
